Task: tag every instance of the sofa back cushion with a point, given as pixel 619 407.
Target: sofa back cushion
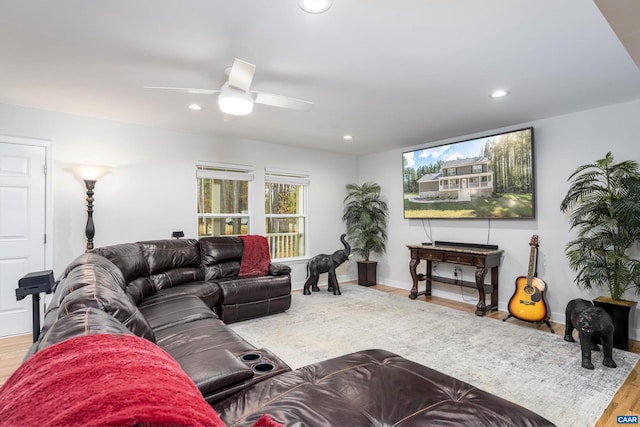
pixel 221 256
pixel 88 321
pixel 163 255
pixel 100 261
pixel 115 303
pixel 81 276
pixel 128 257
pixel 177 276
pixel 140 288
pixel 173 262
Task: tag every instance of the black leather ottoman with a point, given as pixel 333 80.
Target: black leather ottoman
pixel 373 387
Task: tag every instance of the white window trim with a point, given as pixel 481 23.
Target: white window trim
pixel 294 177
pixel 227 171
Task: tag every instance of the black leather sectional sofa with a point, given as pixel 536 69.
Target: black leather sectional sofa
pixel 180 294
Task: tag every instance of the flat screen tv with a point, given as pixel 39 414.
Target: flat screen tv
pixel 488 177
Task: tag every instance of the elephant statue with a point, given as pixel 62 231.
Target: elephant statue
pixel 324 263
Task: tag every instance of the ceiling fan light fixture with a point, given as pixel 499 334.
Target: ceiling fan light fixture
pixel 235 102
pixel 314 6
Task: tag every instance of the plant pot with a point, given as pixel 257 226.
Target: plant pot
pixel 367 273
pixel 621 312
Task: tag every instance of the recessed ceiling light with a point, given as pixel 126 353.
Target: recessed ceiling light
pixel 314 6
pixel 347 137
pixel 195 107
pixel 500 93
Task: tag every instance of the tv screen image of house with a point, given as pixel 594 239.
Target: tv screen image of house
pixel 487 177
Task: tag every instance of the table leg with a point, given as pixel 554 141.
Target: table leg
pixel 428 278
pixel 413 264
pixel 494 288
pixel 481 307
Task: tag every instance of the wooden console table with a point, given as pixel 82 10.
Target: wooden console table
pixel 483 258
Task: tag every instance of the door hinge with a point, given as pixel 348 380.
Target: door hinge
pixel 44 169
pixel 45 239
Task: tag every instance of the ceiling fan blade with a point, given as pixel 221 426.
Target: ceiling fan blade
pixel 282 101
pixel 186 90
pixel 241 74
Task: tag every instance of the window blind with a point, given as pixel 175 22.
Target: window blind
pixel 284 176
pixel 211 170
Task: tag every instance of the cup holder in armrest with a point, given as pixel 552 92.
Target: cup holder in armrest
pixel 257 362
pixel 251 356
pixel 263 363
pixel 263 367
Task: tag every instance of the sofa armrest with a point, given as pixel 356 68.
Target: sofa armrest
pixel 215 370
pixel 276 269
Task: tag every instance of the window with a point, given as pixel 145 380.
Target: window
pixel 286 212
pixel 450 172
pixel 476 169
pixel 223 199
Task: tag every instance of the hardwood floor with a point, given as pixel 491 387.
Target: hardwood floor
pixel 625 402
pixel 12 352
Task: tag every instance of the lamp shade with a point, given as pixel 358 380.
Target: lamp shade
pixel 89 172
pixel 234 101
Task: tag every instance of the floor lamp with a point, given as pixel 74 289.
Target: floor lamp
pixel 90 175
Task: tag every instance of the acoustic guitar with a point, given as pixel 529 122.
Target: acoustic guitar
pixel 528 303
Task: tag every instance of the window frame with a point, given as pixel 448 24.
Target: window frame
pixel 223 171
pixel 290 177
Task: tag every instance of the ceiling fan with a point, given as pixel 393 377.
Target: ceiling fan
pixel 235 97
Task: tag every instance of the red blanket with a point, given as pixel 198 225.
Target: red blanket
pixel 103 380
pixel 255 256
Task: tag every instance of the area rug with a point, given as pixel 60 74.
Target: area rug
pixel 536 369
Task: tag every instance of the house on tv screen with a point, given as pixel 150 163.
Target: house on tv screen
pixel 458 179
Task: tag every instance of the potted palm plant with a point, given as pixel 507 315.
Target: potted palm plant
pixel 365 215
pixel 604 205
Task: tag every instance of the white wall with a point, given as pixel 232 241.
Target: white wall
pixel 561 144
pixel 151 190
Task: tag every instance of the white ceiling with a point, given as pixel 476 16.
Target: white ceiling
pixel 392 73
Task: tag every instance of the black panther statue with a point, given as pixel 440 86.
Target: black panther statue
pixel 326 264
pixel 594 325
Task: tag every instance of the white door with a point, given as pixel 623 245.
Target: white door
pixel 22 229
